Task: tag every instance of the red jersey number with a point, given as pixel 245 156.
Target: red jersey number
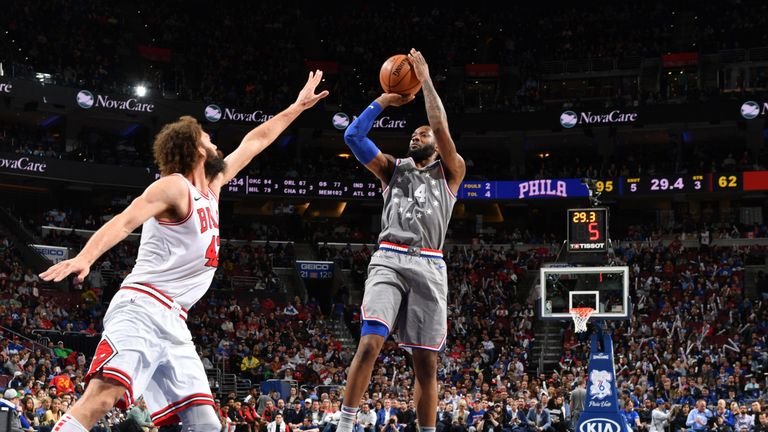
pixel 212 253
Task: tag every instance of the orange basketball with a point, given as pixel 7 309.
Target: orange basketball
pixel 397 76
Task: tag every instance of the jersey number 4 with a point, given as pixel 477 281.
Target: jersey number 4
pixel 212 253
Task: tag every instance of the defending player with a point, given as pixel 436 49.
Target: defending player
pixel 146 347
pixel 407 285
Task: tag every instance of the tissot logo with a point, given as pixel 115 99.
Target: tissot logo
pixel 752 109
pixel 85 99
pixel 599 425
pixel 214 113
pixel 569 119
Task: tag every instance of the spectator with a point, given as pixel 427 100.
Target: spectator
pixel 744 420
pixel 698 418
pixel 140 414
pixel 11 400
pixel 761 424
pixel 295 415
pixel 278 425
pixel 631 418
pixel 444 419
pixel 659 417
pixel 539 419
pixel 383 415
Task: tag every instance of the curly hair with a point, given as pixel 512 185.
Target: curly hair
pixel 176 146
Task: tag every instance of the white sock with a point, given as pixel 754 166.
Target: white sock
pixel 348 416
pixel 427 429
pixel 67 423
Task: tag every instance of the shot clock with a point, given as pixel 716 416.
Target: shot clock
pixel 588 230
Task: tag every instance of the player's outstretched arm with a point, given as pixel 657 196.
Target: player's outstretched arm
pixel 263 135
pixel 356 136
pixel 438 121
pixel 167 195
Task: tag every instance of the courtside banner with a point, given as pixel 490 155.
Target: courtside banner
pixel 80 172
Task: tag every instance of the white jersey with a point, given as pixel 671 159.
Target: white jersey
pixel 179 258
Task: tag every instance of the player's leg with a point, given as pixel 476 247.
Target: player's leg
pixel 361 369
pixel 422 328
pixel 99 397
pixel 179 392
pixel 381 304
pixel 124 360
pixel 425 389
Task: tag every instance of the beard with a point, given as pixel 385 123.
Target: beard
pixel 422 153
pixel 214 163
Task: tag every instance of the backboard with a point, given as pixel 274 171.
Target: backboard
pixel 604 289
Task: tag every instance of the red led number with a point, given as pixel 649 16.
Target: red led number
pixel 594 233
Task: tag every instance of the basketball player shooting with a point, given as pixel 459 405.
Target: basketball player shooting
pixel 146 347
pixel 407 287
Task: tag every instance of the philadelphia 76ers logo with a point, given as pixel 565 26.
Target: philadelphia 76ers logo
pixel 600 386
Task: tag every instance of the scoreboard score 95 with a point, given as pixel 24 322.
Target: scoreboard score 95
pixel 588 230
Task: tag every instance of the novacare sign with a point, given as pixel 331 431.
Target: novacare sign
pixel 341 120
pixel 23 163
pixel 214 113
pixel 569 119
pixel 87 100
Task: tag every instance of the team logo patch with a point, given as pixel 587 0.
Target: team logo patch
pixel 105 351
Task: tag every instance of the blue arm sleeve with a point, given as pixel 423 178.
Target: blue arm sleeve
pixel 355 136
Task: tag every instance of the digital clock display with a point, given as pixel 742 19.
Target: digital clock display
pixel 660 184
pixel 347 189
pixel 588 230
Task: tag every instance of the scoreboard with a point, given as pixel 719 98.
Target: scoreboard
pixel 588 230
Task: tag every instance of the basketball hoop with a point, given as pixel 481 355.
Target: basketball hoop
pixel 581 316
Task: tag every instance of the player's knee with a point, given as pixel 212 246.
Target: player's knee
pixel 425 365
pixel 100 397
pixel 202 427
pixel 200 418
pixel 369 348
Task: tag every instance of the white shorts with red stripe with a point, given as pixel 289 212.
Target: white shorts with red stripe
pixel 147 347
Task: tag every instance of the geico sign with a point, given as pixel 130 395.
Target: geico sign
pixel 313 266
pixel 23 164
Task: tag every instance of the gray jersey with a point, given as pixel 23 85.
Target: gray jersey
pixel 417 206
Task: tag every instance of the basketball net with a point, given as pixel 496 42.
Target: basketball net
pixel 581 317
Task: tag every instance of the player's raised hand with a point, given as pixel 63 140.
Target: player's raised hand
pixel 307 97
pixel 394 99
pixel 59 271
pixel 420 66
